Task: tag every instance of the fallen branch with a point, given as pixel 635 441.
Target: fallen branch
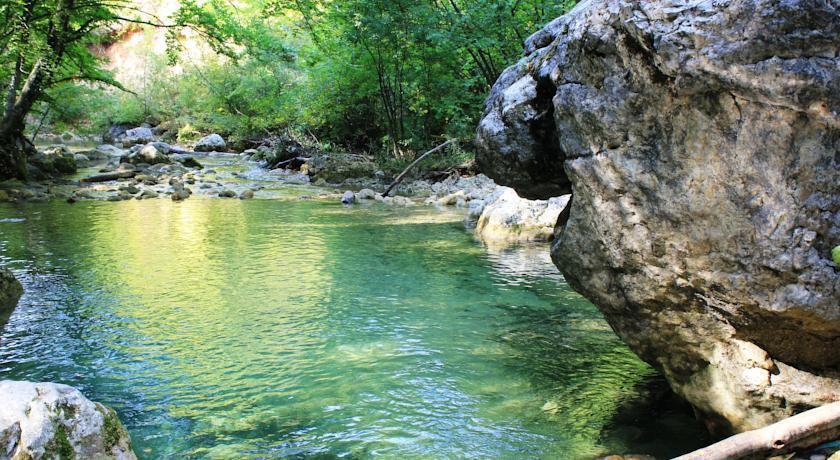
pixel 110 176
pixel 801 431
pixel 291 163
pixel 413 164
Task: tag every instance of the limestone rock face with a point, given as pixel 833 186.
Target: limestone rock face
pixel 700 141
pixel 49 420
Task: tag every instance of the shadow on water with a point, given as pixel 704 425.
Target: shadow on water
pixel 593 385
pixel 656 413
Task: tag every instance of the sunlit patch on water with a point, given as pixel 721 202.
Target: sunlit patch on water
pixel 264 329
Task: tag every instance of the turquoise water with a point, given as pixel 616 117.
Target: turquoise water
pixel 285 328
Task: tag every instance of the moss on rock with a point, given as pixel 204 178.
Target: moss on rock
pixel 59 445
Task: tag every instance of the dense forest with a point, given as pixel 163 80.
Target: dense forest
pixel 388 77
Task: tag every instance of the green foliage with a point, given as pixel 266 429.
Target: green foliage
pixel 59 446
pixel 48 51
pixel 392 77
pixel 835 255
pixel 112 429
pixel 187 133
pixel 453 156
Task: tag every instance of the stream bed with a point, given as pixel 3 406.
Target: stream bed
pixel 288 328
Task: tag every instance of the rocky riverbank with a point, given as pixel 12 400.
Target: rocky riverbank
pixel 699 142
pixel 141 166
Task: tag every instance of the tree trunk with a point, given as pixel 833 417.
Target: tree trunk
pixel 800 431
pixel 14 148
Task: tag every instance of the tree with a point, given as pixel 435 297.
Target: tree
pixel 46 43
pixel 431 62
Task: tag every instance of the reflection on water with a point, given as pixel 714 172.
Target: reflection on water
pixel 230 329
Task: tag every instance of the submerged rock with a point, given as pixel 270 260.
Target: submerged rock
pixel 50 420
pixel 700 144
pixel 507 217
pixel 147 194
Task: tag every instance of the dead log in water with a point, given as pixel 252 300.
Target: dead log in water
pixel 801 431
pixel 116 175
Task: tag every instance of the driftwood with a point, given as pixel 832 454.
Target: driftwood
pixel 110 176
pixel 293 163
pixel 801 431
pixel 467 168
pixel 413 164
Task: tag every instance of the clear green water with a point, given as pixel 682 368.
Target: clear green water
pixel 266 329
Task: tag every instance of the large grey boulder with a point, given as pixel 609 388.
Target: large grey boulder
pixel 136 136
pixel 336 168
pixel 10 292
pixel 114 132
pixel 211 143
pixel 700 141
pixel 49 420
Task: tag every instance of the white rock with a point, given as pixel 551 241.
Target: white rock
pixel 211 143
pixel 366 194
pixel 49 420
pixel 451 199
pixel 507 217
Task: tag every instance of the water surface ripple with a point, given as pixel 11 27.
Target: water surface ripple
pixel 265 329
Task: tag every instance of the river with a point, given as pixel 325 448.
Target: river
pixel 293 328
